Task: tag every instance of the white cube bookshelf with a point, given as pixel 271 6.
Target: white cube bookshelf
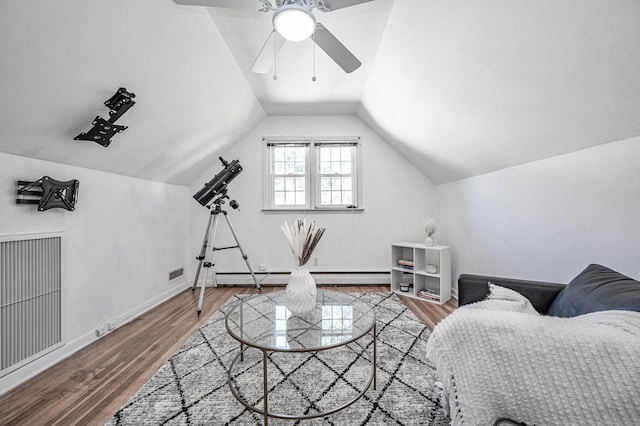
pixel 437 283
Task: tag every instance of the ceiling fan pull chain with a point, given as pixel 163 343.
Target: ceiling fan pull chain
pixel 275 56
pixel 314 56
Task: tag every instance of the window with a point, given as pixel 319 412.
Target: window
pixel 289 174
pixel 336 174
pixel 312 174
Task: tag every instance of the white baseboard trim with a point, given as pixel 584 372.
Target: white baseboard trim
pixel 281 278
pixel 150 304
pixel 48 360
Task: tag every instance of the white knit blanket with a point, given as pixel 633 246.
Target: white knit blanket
pixel 498 361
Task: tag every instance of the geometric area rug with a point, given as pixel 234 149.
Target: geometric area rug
pixel 192 387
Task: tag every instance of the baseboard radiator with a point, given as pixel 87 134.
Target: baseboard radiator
pixel 320 277
pixel 30 299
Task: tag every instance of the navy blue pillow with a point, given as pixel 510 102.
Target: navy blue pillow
pixel 597 288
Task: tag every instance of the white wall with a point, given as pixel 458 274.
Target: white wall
pixel 544 220
pixel 549 219
pixel 397 199
pixel 121 241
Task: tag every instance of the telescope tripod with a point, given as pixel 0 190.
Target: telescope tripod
pixel 210 235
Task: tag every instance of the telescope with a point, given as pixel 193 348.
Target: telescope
pixel 212 196
pixel 218 185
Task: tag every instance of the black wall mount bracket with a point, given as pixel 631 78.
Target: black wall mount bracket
pixel 49 193
pixel 103 130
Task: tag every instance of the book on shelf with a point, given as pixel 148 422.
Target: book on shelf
pixel 405 264
pixel 432 299
pixel 429 295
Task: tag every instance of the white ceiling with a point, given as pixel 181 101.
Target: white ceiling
pixel 459 87
pixel 359 28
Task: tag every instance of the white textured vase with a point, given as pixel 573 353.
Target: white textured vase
pixel 429 241
pixel 301 291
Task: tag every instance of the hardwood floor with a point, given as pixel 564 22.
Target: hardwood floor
pixel 91 385
pixel 429 313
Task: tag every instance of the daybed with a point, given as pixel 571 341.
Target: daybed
pixel 541 353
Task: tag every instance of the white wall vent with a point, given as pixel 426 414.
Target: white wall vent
pixel 30 298
pixel 176 273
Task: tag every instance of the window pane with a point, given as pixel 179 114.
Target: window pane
pixel 346 168
pixel 325 198
pixel 335 183
pixel 335 167
pixel 289 154
pixel 325 167
pixel 300 154
pixel 345 154
pixel 325 154
pixel 335 153
pixel 278 184
pixel 300 184
pixel 290 198
pixel 298 168
pixel 278 154
pixel 278 168
pixel 335 198
pixel 300 198
pixel 289 168
pixel 346 197
pixel 325 183
pixel 346 183
pixel 289 183
pixel 279 198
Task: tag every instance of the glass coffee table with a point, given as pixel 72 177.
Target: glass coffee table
pixel 339 322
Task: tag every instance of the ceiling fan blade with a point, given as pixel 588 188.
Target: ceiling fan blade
pixel 340 4
pixel 336 50
pixel 264 61
pixel 230 4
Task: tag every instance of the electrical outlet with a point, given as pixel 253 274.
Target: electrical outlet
pixel 101 331
pixel 262 267
pixel 111 325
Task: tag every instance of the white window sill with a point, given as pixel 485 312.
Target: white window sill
pixel 317 210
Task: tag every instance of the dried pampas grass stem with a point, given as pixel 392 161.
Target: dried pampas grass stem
pixel 303 237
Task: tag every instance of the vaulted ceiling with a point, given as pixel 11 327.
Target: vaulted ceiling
pixel 460 88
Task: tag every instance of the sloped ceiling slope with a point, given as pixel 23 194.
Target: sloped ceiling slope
pixel 466 87
pixel 459 87
pixel 59 61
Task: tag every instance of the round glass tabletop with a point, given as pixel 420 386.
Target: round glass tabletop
pixel 263 321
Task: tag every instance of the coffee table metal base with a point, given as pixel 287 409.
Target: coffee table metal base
pixel 265 410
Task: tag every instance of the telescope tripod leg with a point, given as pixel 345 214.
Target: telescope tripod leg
pixel 203 251
pixel 207 265
pixel 244 256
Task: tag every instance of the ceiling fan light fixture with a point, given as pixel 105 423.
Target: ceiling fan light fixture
pixel 294 23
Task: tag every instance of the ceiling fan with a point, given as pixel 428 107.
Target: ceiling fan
pixel 293 20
